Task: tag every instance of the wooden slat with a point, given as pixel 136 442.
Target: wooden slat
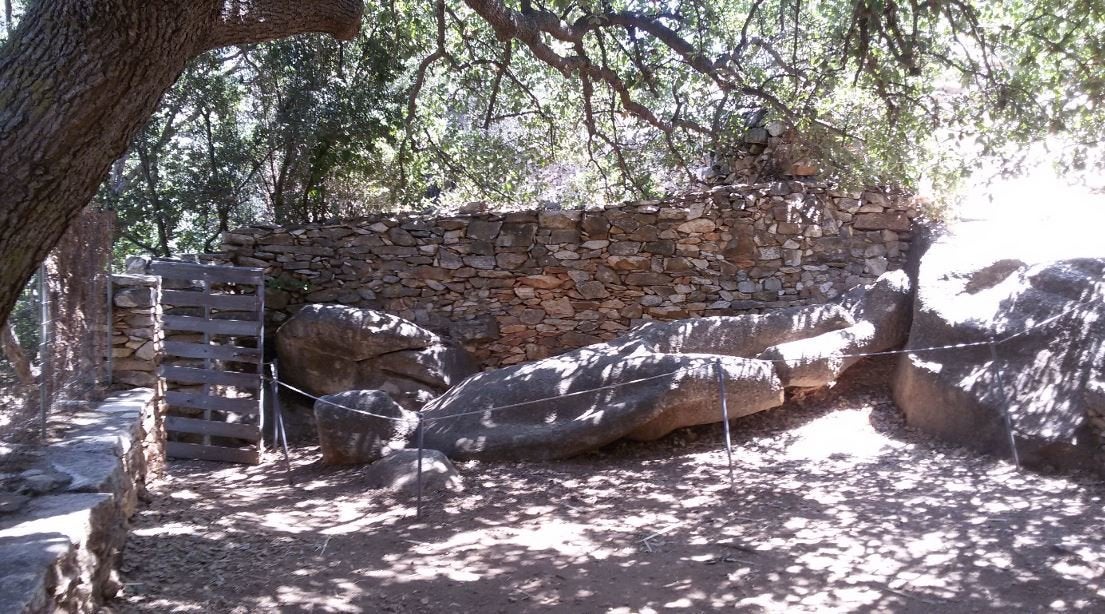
pixel 207 272
pixel 177 424
pixel 176 449
pixel 194 400
pixel 187 298
pixel 192 375
pixel 182 349
pixel 215 327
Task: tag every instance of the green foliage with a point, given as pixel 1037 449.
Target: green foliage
pixel 877 91
pixel 292 131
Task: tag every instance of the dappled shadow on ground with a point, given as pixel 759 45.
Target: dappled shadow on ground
pixel 836 507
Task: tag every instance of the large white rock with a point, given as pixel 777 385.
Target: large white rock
pixel 361 426
pixel 1037 288
pixel 398 472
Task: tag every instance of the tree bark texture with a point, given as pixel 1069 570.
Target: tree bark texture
pixel 79 78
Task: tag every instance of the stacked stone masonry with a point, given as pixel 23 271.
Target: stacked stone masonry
pixel 66 505
pixel 520 286
pixel 137 335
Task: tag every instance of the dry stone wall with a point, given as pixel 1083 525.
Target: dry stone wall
pixel 137 335
pixel 524 285
pixel 65 506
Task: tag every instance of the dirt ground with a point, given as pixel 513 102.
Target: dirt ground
pixel 836 507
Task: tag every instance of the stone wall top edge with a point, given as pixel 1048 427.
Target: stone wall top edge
pixel 133 279
pixel 762 188
pixel 130 399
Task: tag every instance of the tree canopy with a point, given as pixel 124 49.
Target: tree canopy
pixel 526 101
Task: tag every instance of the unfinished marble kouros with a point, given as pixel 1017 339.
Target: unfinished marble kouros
pixel 579 401
pixel 643 385
pixel 659 377
pixel 663 376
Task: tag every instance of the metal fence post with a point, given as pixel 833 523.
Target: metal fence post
pixel 421 433
pixel 44 400
pixel 725 420
pixel 1006 418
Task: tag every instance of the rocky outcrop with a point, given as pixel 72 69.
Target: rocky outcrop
pixel 328 349
pixel 361 426
pixel 881 312
pixel 578 401
pixel 1046 313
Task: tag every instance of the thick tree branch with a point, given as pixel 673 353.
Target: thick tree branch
pixel 79 79
pixel 424 66
pixel 504 66
pixel 240 22
pixel 512 24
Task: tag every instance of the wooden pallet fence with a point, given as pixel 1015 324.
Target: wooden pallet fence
pixel 214 360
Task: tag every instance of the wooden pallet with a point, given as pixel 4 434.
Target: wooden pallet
pixel 222 419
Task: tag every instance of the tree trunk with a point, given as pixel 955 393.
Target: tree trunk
pixel 79 78
pixel 15 355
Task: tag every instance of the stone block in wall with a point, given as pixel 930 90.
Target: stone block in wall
pixel 516 235
pixel 882 221
pixel 484 230
pixel 484 328
pixel 543 282
pixel 561 220
pixel 629 263
pixel 134 297
pixel 648 279
pixel 399 236
pixel 595 225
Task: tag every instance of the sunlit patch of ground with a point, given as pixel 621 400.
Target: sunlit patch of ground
pixel 836 507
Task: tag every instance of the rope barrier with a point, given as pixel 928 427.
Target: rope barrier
pixel 429 419
pixel 495 408
pixel 716 364
pixel 281 382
